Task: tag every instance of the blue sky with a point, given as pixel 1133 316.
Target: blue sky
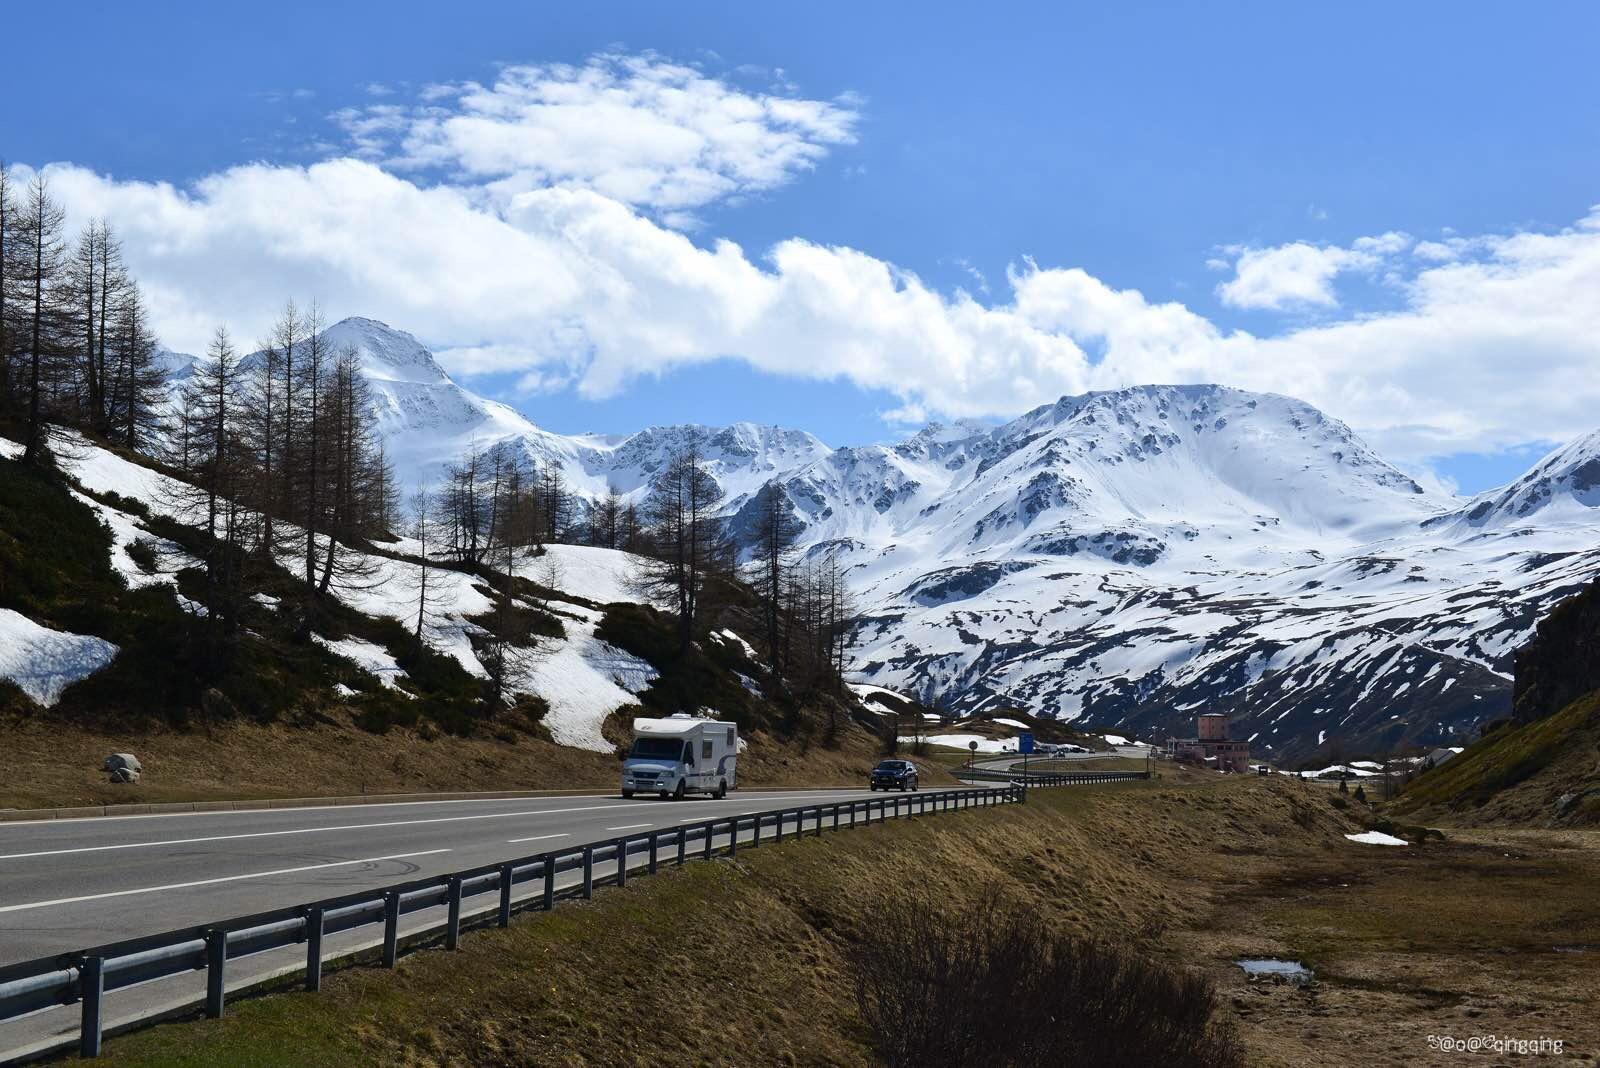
pixel 1228 160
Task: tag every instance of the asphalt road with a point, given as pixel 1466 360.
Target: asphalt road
pixel 67 884
pixel 70 884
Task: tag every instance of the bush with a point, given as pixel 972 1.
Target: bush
pixel 143 553
pixel 988 984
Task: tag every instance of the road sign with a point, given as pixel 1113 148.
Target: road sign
pixel 1025 742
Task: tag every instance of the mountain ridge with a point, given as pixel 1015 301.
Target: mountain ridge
pixel 1123 557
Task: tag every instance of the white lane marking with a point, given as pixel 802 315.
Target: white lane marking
pixel 290 809
pixel 71 821
pixel 213 882
pixel 628 827
pixel 536 838
pixel 365 827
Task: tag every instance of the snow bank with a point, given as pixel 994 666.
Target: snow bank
pixel 1011 723
pixel 44 662
pixel 370 657
pixel 963 741
pixel 584 680
pixel 1377 838
pixel 730 636
pixel 875 694
pixel 599 575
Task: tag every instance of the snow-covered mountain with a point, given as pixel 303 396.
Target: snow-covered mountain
pixel 1128 558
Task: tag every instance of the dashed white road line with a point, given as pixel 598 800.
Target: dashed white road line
pixel 528 814
pixel 537 838
pixel 628 827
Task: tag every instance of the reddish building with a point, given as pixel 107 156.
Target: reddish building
pixel 1212 746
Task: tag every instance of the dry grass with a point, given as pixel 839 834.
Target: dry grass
pixel 747 962
pixel 48 764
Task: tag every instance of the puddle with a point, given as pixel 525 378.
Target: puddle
pixel 1266 968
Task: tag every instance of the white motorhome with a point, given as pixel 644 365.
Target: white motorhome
pixel 681 755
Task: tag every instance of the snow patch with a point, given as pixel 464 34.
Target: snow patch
pixel 44 662
pixel 584 680
pixel 370 657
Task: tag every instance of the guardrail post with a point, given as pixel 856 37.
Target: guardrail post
pixel 588 872
pixel 711 832
pixel 314 949
pixel 549 881
pixel 391 928
pixel 92 987
pixel 733 837
pixel 655 850
pixel 683 845
pixel 818 834
pixel 755 829
pixel 216 971
pixel 452 926
pixel 622 862
pixel 507 881
pixel 836 815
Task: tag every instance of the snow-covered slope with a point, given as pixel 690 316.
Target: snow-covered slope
pixel 581 678
pixel 1128 557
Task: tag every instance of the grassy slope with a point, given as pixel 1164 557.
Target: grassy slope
pixel 271 724
pixel 1518 773
pixel 762 980
pixel 1454 938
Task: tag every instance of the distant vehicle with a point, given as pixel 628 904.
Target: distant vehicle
pixel 893 775
pixel 681 755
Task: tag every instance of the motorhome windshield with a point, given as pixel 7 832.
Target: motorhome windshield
pixel 658 748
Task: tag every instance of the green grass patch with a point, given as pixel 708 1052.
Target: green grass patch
pixel 1508 756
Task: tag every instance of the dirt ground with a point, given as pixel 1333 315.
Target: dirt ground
pixel 1486 933
pixel 1491 933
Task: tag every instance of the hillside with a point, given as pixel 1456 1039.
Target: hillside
pixel 102 647
pixel 1541 768
pixel 1121 559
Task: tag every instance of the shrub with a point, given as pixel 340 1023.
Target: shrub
pixel 989 984
pixel 143 553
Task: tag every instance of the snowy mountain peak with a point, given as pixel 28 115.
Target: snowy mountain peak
pixel 1561 489
pixel 385 352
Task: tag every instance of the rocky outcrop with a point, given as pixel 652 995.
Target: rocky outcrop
pixel 1562 661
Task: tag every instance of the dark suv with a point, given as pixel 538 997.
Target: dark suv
pixel 893 775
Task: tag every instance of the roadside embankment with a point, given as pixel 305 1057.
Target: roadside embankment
pixel 748 961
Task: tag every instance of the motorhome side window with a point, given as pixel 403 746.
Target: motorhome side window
pixel 705 748
pixel 731 731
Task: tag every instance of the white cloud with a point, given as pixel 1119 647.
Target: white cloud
pixel 565 286
pixel 644 131
pixel 1299 273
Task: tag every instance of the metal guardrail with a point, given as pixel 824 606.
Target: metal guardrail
pixel 86 976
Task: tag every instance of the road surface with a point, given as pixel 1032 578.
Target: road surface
pixel 71 884
pixel 67 884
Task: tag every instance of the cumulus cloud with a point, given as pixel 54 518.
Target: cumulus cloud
pixel 560 272
pixel 644 131
pixel 1299 273
pixel 567 288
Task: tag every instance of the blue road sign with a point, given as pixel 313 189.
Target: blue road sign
pixel 1025 743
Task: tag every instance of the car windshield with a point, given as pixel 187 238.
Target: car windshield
pixel 657 748
pixel 891 765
